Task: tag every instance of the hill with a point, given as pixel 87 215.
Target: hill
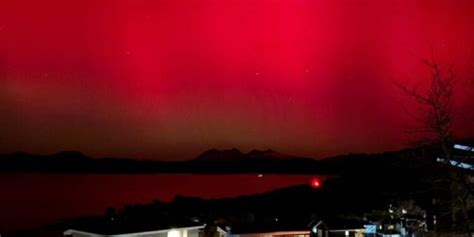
pixel 224 161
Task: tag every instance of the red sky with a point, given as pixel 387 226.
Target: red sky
pixel 168 79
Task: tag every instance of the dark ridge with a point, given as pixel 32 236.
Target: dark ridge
pixel 230 161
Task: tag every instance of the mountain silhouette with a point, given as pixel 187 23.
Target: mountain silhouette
pixel 227 161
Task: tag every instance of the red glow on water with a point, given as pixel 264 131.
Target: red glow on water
pixel 50 196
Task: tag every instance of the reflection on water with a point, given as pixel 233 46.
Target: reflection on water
pixel 28 200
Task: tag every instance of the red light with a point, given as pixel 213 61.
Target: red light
pixel 315 183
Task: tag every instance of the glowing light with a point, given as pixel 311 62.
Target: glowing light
pixel 463 147
pixel 370 229
pixel 166 81
pixel 456 164
pixel 173 233
pixel 315 183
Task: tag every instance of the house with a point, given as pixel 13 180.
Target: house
pixel 295 233
pixel 192 231
pixel 337 228
pixel 462 157
pixel 314 229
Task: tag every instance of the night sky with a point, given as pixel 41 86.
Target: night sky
pixel 168 79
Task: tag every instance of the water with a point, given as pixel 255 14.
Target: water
pixel 32 200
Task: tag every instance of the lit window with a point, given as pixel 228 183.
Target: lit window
pixel 173 233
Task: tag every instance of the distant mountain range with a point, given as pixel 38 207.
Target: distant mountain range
pixel 218 161
pixel 228 161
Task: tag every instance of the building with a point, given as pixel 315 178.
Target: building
pixel 314 229
pixel 192 231
pixel 296 233
pixel 338 228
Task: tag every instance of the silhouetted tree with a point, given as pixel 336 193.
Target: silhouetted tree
pixel 436 118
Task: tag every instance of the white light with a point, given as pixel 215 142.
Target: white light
pixel 347 233
pixel 315 229
pixel 457 164
pixel 463 147
pixel 404 211
pixel 173 233
pixel 390 210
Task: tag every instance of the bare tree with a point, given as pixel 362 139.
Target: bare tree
pixel 436 118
